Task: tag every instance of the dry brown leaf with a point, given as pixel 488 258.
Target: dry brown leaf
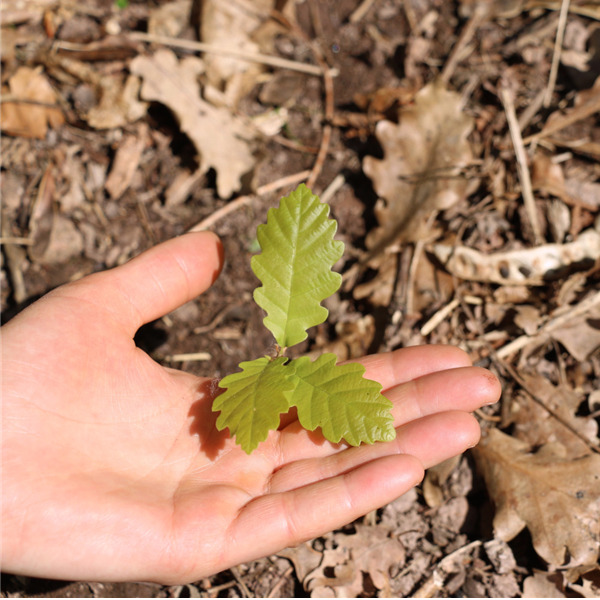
pixel 125 163
pixel 170 19
pixel 26 118
pixel 423 158
pixel 530 266
pixel 119 103
pixel 221 139
pixel 556 497
pixel 371 550
pixel 543 585
pixel 234 24
pixel 304 558
pixel 536 426
pixel 581 336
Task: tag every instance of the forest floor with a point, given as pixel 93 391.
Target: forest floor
pixel 458 145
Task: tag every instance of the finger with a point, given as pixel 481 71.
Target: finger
pixel 279 520
pixel 403 365
pixel 431 439
pixel 155 282
pixel 466 389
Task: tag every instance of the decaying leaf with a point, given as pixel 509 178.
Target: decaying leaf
pixel 35 108
pixel 581 336
pixel 119 103
pixel 238 25
pixel 371 550
pixel 421 170
pixel 557 497
pixel 221 139
pixel 530 266
pixel 536 425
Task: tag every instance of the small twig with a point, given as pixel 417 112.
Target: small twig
pixel 275 589
pixel 332 188
pixel 446 311
pixel 246 593
pixel 578 113
pixel 190 356
pixel 510 371
pixel 256 57
pixel 558 42
pixel 521 156
pixel 465 37
pixel 541 334
pixel 435 583
pixel 19 241
pixel 359 12
pixel 243 200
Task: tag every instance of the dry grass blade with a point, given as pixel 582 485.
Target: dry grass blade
pixel 506 95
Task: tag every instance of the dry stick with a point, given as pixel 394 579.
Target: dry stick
pixel 275 589
pixel 243 200
pixel 329 111
pixel 577 114
pixel 558 42
pixel 332 189
pixel 465 37
pixel 266 59
pixel 540 335
pixel 509 370
pixel 19 241
pixel 361 11
pixel 522 168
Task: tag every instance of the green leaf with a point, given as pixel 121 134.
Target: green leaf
pixel 298 251
pixel 339 400
pixel 254 400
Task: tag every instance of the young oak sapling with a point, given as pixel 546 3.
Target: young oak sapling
pixel 294 267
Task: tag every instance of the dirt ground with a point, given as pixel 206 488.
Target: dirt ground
pixel 457 144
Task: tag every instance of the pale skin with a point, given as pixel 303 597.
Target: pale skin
pixel 113 470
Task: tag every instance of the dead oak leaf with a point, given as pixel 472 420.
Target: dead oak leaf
pixel 424 155
pixel 555 496
pixel 221 139
pixel 33 111
pixel 371 550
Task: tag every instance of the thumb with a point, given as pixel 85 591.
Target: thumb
pixel 155 282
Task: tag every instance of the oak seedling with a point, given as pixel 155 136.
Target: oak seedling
pixel 297 252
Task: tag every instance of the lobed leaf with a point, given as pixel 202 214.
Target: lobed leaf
pixel 339 400
pixel 254 400
pixel 294 267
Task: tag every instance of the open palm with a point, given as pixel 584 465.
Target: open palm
pixel 112 468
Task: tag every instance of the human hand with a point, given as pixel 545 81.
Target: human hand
pixel 113 469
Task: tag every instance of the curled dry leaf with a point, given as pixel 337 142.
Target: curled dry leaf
pixel 34 109
pixel 424 156
pixel 555 496
pixel 237 25
pixel 531 266
pixel 221 139
pixel 370 550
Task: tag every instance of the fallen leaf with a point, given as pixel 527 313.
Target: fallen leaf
pixel 543 585
pixel 170 19
pixel 424 155
pixel 35 111
pixel 125 163
pixel 239 26
pixel 536 425
pixel 221 139
pixel 581 336
pixel 371 550
pixel 119 103
pixel 555 496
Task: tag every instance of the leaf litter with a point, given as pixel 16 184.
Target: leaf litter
pixel 431 206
